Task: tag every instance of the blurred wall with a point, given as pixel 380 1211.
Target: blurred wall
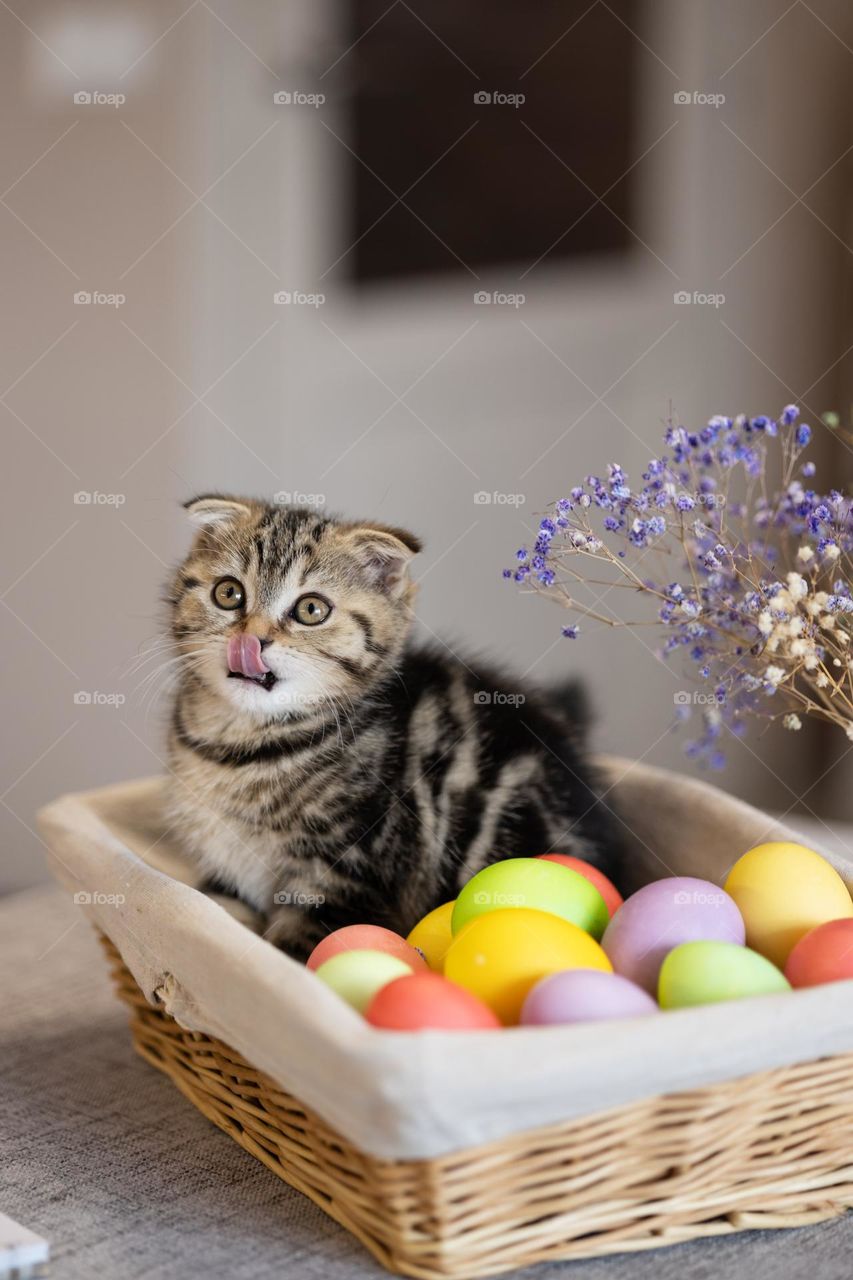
pixel 198 199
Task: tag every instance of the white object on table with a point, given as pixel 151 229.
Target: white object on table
pixel 22 1252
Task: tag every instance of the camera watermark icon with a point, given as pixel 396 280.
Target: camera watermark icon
pixel 484 499
pixel 293 298
pixel 487 698
pixel 83 298
pixel 94 698
pixel 695 698
pixel 298 899
pixel 86 899
pixel 495 298
pixel 94 498
pixel 94 98
pixel 284 498
pixel 698 897
pixel 713 500
pixel 296 98
pixel 497 98
pixel 683 298
pixel 696 98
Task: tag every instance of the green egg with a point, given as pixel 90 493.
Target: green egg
pixel 537 885
pixel 707 972
pixel 357 975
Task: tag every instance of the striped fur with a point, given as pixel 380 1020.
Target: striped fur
pixel 375 777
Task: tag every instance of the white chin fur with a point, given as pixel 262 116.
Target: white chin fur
pixel 286 698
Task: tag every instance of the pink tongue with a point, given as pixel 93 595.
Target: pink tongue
pixel 244 656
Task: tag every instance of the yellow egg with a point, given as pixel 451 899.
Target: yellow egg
pixel 783 890
pixel 432 935
pixel 502 954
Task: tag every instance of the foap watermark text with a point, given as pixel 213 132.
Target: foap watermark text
pixel 684 298
pixel 487 698
pixel 94 498
pixel 497 98
pixel 496 298
pixel 482 498
pixel 696 98
pixel 296 98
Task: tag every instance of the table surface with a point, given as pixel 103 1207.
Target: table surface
pixel 107 1160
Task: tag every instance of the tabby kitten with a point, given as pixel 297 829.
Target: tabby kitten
pixel 323 768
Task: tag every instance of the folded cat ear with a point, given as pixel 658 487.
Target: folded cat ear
pixel 212 509
pixel 384 554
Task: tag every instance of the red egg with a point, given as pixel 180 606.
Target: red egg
pixel 427 1000
pixel 612 897
pixel 824 954
pixel 366 937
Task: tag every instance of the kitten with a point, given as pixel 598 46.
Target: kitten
pixel 323 768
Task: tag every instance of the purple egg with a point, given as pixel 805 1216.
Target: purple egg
pixel 661 916
pixel 584 995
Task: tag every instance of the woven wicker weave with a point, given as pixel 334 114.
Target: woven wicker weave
pixel 773 1149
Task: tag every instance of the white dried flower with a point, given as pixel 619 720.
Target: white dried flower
pixel 792 721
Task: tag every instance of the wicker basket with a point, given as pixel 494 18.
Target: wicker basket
pixel 772 1149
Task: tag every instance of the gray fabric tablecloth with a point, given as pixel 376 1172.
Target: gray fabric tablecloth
pixel 106 1159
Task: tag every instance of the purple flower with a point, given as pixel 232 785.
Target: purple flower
pixel 727 602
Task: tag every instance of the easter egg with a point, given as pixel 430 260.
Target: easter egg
pixel 584 995
pixel 825 954
pixel 707 972
pixel 536 885
pixel 365 937
pixel 501 955
pixel 662 915
pixel 433 935
pixel 612 897
pixel 784 891
pixel 427 1000
pixel 356 976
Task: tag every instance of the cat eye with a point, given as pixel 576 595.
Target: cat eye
pixel 228 593
pixel 311 610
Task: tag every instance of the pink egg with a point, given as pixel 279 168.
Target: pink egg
pixel 584 995
pixel 366 937
pixel 825 954
pixel 661 916
pixel 427 1000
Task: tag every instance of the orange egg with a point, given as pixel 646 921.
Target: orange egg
pixel 366 937
pixel 612 897
pixel 825 954
pixel 427 1000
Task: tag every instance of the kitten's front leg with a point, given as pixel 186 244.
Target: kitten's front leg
pixel 297 922
pixel 295 929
